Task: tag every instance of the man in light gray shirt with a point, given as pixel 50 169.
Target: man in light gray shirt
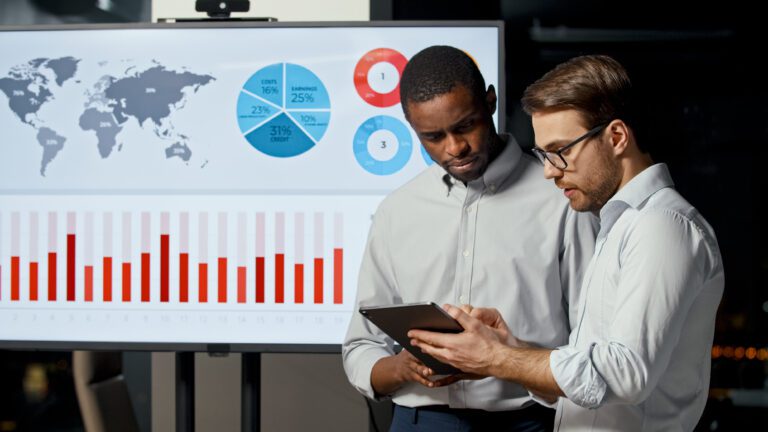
pixel 479 227
pixel 638 358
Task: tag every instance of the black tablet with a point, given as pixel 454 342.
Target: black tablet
pixel 397 320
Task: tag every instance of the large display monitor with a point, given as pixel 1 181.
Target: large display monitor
pixel 201 186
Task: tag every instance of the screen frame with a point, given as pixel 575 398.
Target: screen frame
pixel 213 24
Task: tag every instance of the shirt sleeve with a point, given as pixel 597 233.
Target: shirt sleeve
pixel 364 343
pixel 577 248
pixel 662 262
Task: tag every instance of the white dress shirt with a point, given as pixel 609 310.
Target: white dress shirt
pixel 639 357
pixel 507 240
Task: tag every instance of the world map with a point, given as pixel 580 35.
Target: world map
pixel 150 96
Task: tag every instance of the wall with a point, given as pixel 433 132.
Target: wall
pixel 283 10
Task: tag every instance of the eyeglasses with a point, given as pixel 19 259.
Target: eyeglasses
pixel 559 162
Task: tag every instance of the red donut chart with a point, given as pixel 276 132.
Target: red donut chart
pixel 364 65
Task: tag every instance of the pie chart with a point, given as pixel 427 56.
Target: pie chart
pixel 382 145
pixel 283 110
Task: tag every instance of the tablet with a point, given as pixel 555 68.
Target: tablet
pixel 397 320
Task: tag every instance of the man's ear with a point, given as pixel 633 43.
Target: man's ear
pixel 619 135
pixel 491 99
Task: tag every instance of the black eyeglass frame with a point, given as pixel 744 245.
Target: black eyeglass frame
pixel 544 155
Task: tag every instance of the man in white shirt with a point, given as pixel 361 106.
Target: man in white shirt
pixel 638 358
pixel 480 226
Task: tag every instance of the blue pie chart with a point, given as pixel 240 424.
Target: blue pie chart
pixel 382 145
pixel 283 110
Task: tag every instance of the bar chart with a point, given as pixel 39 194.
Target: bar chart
pixel 176 261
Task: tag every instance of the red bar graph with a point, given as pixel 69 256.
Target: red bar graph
pixel 259 279
pixel 184 257
pixel 296 271
pixel 107 278
pixel 260 254
pixel 126 274
pixel 318 280
pixel 338 272
pixel 71 267
pixel 319 245
pixel 15 280
pixel 145 256
pixel 202 270
pixel 202 275
pixel 222 273
pixel 33 281
pixel 222 280
pixel 241 281
pixel 51 276
pixel 165 257
pixel 89 283
pixel 106 263
pixel 126 281
pixel 338 259
pixel 165 274
pixel 298 283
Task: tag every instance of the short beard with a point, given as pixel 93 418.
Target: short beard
pixel 602 185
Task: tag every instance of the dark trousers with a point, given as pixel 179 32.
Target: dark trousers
pixel 534 418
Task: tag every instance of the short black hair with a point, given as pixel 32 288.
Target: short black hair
pixel 435 71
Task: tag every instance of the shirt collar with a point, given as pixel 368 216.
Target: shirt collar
pixel 497 171
pixel 643 185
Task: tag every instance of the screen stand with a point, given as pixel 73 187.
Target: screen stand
pixel 185 391
pixel 250 414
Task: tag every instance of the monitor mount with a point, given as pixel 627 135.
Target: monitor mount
pixel 222 9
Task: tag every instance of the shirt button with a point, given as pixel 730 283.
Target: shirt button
pixel 462 300
pixel 469 209
pixel 492 187
pixel 465 253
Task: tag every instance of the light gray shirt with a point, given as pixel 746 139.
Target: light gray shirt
pixel 639 358
pixel 507 240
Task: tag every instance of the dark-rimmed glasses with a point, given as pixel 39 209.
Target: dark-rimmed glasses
pixel 559 162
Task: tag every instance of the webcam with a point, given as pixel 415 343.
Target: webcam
pixel 222 8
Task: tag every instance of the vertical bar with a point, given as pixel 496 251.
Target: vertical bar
pixel 338 258
pixel 88 256
pixel 71 256
pixel 165 276
pixel 146 241
pixel 126 257
pixel 241 257
pixel 222 273
pixel 52 225
pixel 298 270
pixel 34 226
pixel 279 257
pixel 107 258
pixel 260 251
pixel 202 293
pixel 184 257
pixel 318 258
pixel 15 255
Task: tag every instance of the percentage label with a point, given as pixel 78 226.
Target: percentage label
pixel 259 109
pixel 306 118
pixel 302 97
pixel 280 131
pixel 269 89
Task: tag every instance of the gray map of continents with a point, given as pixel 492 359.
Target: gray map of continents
pixel 148 96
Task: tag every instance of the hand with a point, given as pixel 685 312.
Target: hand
pixel 475 349
pixel 390 373
pixel 493 319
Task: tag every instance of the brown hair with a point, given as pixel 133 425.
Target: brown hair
pixel 595 85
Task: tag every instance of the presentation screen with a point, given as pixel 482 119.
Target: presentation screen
pixel 201 186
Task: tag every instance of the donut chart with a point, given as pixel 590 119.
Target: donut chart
pixel 377 77
pixel 382 145
pixel 283 110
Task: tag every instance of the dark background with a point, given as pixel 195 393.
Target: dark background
pixel 696 65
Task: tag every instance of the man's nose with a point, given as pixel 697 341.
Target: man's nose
pixel 456 145
pixel 551 172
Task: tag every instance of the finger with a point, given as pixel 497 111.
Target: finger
pixel 459 315
pixel 449 379
pixel 467 308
